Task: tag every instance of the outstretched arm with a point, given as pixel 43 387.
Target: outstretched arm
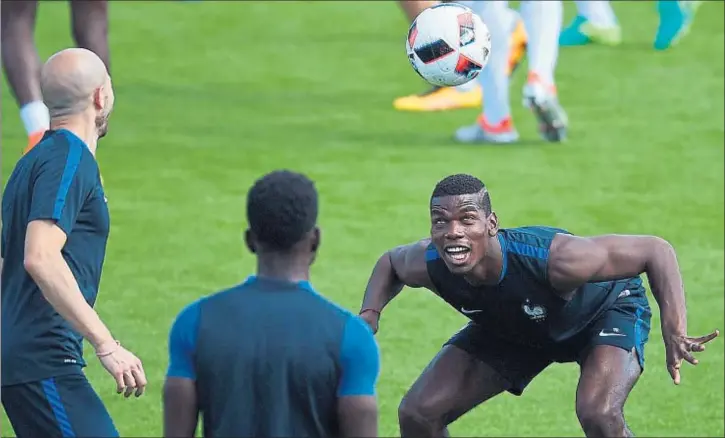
pixel 399 267
pixel 574 261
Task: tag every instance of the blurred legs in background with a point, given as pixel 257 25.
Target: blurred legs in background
pixel 543 25
pixel 20 57
pixel 596 22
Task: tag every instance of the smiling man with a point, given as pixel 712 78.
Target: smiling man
pixel 535 296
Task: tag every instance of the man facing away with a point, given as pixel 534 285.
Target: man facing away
pixel 54 234
pixel 271 357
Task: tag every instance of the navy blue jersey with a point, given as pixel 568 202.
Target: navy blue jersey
pixel 523 307
pixel 271 358
pixel 57 180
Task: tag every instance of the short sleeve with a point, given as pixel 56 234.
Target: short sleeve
pixel 60 187
pixel 360 360
pixel 182 343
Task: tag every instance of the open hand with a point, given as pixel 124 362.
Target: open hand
pixel 679 347
pixel 124 367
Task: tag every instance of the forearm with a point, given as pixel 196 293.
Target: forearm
pixel 181 410
pixel 60 289
pixel 663 272
pixel 383 285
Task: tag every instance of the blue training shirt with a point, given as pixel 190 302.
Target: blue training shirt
pixel 58 180
pixel 274 350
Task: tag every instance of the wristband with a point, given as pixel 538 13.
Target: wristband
pixel 370 310
pixel 108 353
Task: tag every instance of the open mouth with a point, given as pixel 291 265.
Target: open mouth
pixel 457 253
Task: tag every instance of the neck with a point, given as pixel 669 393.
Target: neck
pixel 488 271
pixel 283 267
pixel 80 127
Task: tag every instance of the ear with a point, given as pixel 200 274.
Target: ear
pixel 492 224
pixel 99 99
pixel 249 239
pixel 316 239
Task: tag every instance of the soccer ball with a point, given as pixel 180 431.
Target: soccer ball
pixel 448 44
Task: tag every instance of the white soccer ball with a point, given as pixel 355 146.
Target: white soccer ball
pixel 448 44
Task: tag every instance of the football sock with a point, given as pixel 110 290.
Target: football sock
pixel 35 117
pixel 543 25
pixel 598 12
pixel 494 78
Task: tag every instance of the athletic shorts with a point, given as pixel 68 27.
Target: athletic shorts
pixel 625 325
pixel 64 406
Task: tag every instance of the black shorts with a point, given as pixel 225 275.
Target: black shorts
pixel 64 406
pixel 626 325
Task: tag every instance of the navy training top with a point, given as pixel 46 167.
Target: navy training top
pixel 57 180
pixel 271 358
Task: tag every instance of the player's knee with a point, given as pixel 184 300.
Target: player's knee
pixel 598 417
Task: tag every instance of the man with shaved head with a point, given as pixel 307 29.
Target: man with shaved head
pixel 20 57
pixel 54 234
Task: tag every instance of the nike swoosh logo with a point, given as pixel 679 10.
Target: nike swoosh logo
pixel 470 312
pixel 604 334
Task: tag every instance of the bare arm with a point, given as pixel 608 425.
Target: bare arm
pixel 181 408
pixel 45 264
pixel 358 416
pixel 574 261
pixel 357 407
pixel 399 267
pixel 181 411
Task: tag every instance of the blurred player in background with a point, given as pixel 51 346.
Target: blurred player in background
pixel 534 296
pixel 272 357
pixel 596 23
pixel 54 233
pixel 543 25
pixel 467 95
pixel 20 57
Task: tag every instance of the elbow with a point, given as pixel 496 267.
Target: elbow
pixel 34 262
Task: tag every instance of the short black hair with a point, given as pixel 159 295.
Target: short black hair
pixel 282 208
pixel 463 184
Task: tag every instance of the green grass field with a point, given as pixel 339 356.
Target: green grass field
pixel 210 95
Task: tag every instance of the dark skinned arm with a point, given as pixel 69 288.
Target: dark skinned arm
pixel 359 365
pixel 181 405
pixel 574 261
pixel 181 410
pixel 397 268
pixel 358 416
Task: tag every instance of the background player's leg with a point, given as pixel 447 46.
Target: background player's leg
pixel 454 383
pixel 543 25
pixel 90 27
pixel 22 65
pixel 415 7
pixel 595 22
pixel 437 98
pixel 495 123
pixel 608 375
